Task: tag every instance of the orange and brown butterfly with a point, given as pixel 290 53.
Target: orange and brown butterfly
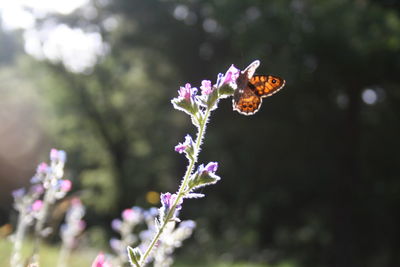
pixel 251 89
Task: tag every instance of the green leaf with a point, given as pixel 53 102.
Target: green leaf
pixel 212 98
pixel 199 180
pixel 226 90
pixel 134 256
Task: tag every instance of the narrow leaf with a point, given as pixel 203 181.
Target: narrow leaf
pixel 134 256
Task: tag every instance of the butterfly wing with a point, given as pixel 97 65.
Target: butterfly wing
pixel 266 85
pixel 246 101
pixel 251 69
pixel 251 88
pixel 245 75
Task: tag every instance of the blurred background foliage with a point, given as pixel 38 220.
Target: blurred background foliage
pixel 313 177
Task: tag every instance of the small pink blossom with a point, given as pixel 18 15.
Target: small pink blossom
pixel 187 92
pixel 58 155
pixel 53 154
pixel 100 261
pixel 181 147
pixel 42 168
pixel 65 185
pixel 37 205
pixel 206 87
pixel 128 215
pixel 231 75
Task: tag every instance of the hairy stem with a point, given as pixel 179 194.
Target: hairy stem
pixel 181 192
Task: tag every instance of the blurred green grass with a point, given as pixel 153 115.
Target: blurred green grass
pixel 237 264
pixel 84 257
pixel 48 254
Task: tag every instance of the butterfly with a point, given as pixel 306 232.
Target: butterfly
pixel 251 89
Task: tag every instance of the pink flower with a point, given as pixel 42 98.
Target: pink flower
pixel 180 148
pixel 65 185
pixel 53 154
pixel 231 75
pixel 128 215
pixel 37 205
pixel 58 155
pixel 42 168
pixel 187 92
pixel 206 87
pixel 100 261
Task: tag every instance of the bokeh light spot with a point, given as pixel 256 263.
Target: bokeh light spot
pixel 153 197
pixel 369 96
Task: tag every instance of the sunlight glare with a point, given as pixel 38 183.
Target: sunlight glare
pixel 76 49
pixel 14 17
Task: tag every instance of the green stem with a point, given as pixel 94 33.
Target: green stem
pixel 181 191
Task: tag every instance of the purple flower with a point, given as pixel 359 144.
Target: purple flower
pixel 65 185
pixel 168 199
pixel 187 92
pixel 211 167
pixel 150 213
pixel 205 175
pixel 180 148
pixel 116 224
pixel 38 189
pixel 206 87
pixel 53 154
pixel 115 244
pixel 37 205
pixel 58 155
pixel 62 156
pixel 18 193
pixel 230 76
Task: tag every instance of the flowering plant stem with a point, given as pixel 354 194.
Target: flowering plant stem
pixel 19 236
pixel 181 192
pixel 40 225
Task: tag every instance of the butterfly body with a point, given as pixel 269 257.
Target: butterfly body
pixel 251 88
